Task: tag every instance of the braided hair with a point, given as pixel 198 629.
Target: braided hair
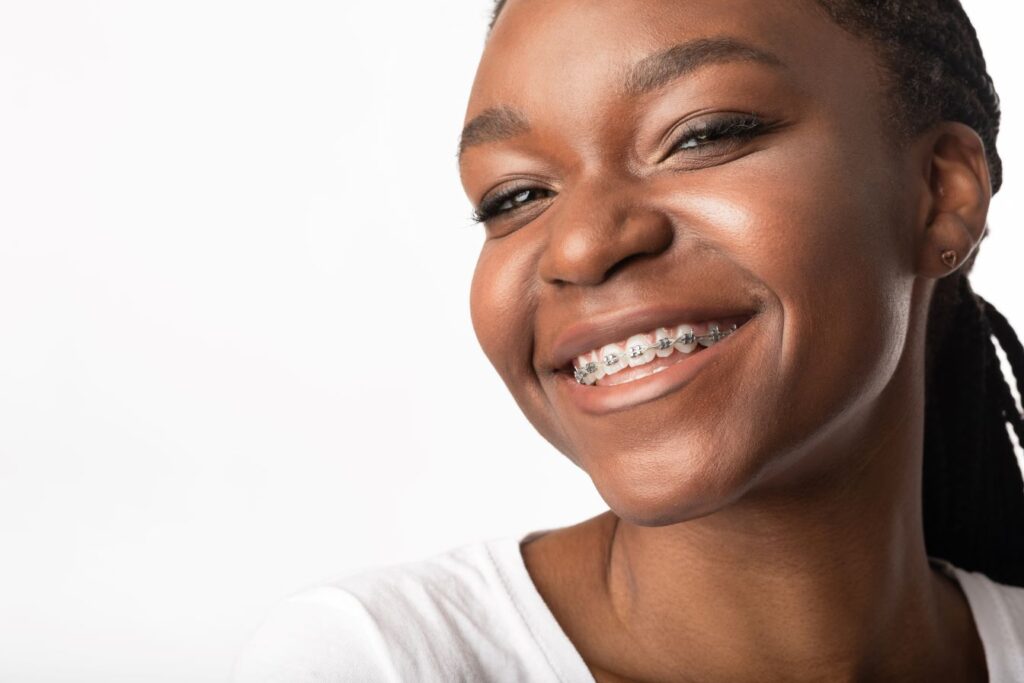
pixel 972 488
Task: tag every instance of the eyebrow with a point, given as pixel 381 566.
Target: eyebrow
pixel 496 123
pixel 650 73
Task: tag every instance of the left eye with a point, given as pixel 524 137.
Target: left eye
pixel 725 129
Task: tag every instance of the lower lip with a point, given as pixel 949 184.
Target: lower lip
pixel 601 400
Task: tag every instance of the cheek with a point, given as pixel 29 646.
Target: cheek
pixel 834 257
pixel 500 306
pixel 503 307
pixel 822 234
pixel 827 234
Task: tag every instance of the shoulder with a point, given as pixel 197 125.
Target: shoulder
pixel 448 617
pixel 321 634
pixel 998 611
pixel 1000 606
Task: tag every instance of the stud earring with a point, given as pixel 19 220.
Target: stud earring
pixel 949 257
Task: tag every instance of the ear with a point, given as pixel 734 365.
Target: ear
pixel 959 191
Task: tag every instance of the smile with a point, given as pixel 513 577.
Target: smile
pixel 649 351
pixel 631 386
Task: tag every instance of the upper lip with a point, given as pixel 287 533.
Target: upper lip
pixel 608 328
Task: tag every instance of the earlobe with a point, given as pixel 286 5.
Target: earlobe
pixel 947 244
pixel 960 190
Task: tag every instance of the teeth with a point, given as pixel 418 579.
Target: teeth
pixel 613 358
pixel 663 333
pixel 684 332
pixel 592 366
pixel 637 352
pixel 641 349
pixel 713 331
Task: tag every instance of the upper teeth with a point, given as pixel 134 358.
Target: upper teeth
pixel 640 350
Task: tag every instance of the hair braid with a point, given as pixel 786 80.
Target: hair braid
pixel 973 491
pixel 1010 344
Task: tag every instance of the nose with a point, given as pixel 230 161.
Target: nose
pixel 597 231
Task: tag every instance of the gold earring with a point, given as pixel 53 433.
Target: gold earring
pixel 949 257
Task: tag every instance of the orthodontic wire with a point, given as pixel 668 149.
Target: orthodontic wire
pixel 714 335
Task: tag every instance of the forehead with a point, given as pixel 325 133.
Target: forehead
pixel 574 56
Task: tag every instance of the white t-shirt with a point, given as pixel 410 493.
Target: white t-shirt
pixel 474 614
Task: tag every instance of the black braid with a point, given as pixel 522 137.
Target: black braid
pixel 973 491
pixel 1010 344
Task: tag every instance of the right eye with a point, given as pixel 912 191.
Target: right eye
pixel 507 202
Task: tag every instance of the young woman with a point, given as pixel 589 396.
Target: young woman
pixel 726 274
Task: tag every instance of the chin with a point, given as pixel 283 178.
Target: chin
pixel 646 493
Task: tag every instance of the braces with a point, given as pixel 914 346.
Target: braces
pixel 612 359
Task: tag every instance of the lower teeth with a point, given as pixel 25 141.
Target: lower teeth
pixel 639 372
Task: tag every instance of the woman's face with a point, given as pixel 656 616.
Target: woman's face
pixel 662 162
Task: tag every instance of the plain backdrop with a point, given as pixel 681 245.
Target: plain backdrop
pixel 235 348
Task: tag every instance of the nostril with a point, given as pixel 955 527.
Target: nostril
pixel 620 265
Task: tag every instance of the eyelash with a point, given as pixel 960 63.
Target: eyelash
pixel 736 128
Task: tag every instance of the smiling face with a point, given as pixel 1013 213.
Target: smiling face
pixel 645 164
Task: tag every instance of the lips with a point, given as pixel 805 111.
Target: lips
pixel 598 330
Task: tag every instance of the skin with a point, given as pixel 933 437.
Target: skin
pixel 765 519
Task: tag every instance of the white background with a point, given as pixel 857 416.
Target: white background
pixel 235 348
